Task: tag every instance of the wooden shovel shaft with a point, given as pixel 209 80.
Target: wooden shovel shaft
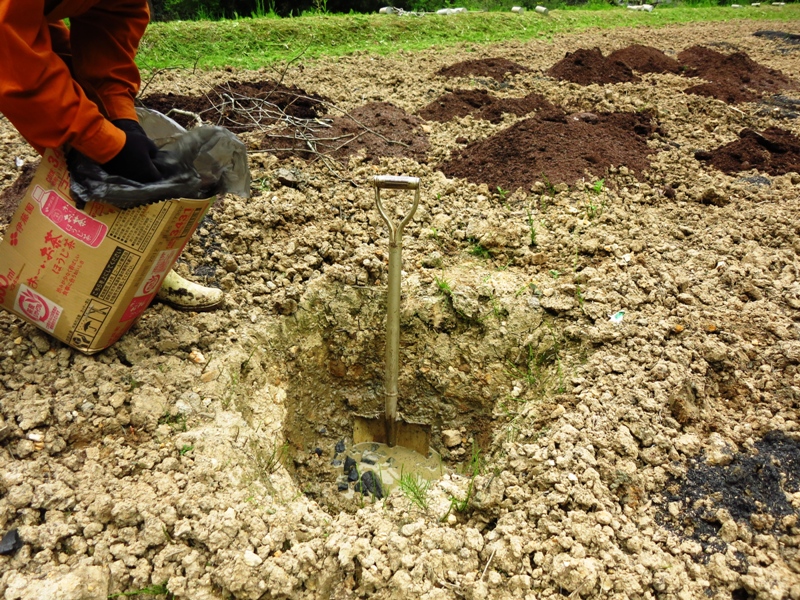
pixel 393 299
pixel 393 339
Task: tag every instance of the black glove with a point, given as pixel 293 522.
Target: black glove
pixel 135 160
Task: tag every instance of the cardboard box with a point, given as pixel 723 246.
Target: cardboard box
pixel 85 276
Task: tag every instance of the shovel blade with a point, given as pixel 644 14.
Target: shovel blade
pixel 414 436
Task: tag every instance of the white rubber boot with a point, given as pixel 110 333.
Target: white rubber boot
pixel 182 294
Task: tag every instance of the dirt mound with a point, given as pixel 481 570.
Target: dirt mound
pixel 379 128
pixel 727 91
pixel 555 151
pixel 516 106
pixel 645 59
pixel 731 73
pixel 586 66
pixel 775 151
pixel 483 105
pixel 168 103
pixel 240 106
pixel 11 196
pixel 496 68
pixel 455 104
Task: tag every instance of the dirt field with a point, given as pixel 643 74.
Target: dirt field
pixel 600 320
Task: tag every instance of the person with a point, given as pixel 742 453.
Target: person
pixel 76 85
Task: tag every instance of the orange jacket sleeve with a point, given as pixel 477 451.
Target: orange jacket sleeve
pixel 39 95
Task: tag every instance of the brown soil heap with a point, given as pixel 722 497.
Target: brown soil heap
pixel 455 104
pixel 735 77
pixel 586 66
pixel 727 91
pixel 496 68
pixel 379 128
pixel 775 151
pixel 645 59
pixel 516 106
pixel 240 106
pixel 483 106
pixel 555 151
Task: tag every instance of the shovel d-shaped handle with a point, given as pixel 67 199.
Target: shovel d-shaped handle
pixel 393 299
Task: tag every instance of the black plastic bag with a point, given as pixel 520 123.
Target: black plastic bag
pixel 199 163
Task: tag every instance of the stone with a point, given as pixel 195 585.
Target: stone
pixel 32 409
pixel 10 543
pixel 80 583
pixel 575 574
pixel 370 484
pixel 451 438
pixel 558 303
pixel 688 444
pixel 718 452
pixel 291 178
pixel 251 559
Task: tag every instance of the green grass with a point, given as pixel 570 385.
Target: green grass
pixel 444 286
pixel 256 42
pixel 150 590
pixel 415 489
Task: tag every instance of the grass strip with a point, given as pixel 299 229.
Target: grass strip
pixel 251 43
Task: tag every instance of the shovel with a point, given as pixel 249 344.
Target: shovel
pixel 390 429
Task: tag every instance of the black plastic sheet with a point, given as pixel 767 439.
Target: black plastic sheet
pixel 199 163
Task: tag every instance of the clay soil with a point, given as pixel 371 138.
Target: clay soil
pixel 600 322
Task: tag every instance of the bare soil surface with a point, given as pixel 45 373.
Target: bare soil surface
pixel 600 325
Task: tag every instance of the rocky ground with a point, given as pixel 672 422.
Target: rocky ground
pixel 609 360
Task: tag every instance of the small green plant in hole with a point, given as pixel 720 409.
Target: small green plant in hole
pixel 579 295
pixel 476 249
pixel 415 488
pixel 177 422
pixel 532 230
pixel 185 449
pixel 554 273
pixel 133 383
pixel 443 285
pixel 551 189
pixel 476 461
pixel 150 590
pixel 502 193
